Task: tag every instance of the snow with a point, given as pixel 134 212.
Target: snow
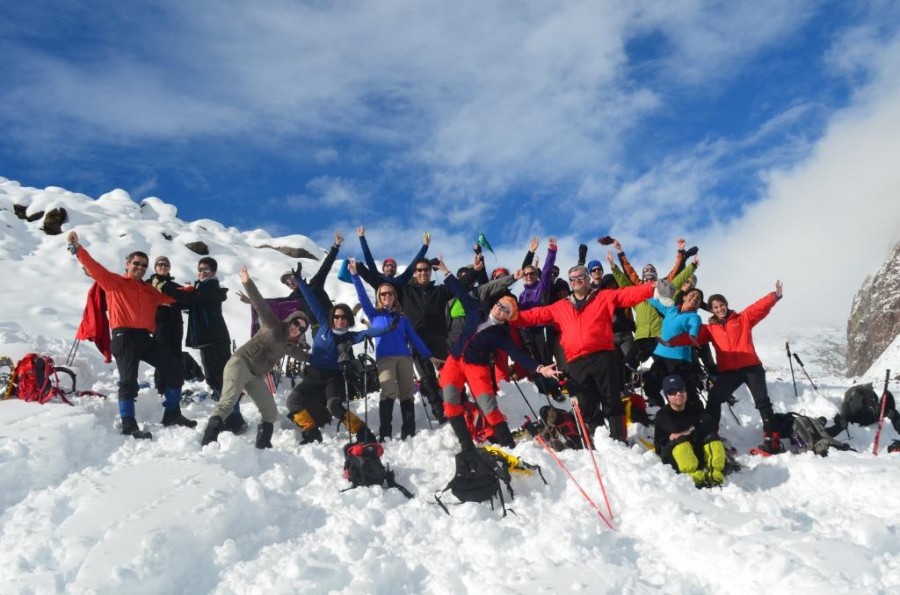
pixel 85 509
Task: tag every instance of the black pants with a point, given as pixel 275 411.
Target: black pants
pixel 169 333
pixel 640 351
pixel 321 392
pixel 213 357
pixel 728 382
pixel 597 381
pixel 130 347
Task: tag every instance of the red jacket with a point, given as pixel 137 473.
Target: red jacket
pixel 588 329
pixel 131 302
pixel 94 325
pixel 733 337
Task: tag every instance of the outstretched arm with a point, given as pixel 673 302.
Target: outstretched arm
pixel 404 277
pixel 364 244
pixel 318 280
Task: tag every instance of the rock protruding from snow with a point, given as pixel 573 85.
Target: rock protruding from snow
pixel 875 317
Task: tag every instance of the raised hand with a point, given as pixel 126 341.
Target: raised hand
pixel 351 266
pixel 552 242
pixel 338 238
pixel 535 242
pixel 244 274
pixel 778 290
pixel 680 243
pixel 361 230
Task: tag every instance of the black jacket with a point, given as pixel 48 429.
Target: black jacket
pixel 203 301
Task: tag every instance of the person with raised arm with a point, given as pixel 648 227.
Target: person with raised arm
pixel 369 271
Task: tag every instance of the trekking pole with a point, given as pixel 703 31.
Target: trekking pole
pixel 568 473
pixel 587 440
pixel 70 358
pixel 887 377
pixel 802 367
pixel 536 416
pixel 787 346
pixel 422 381
pixel 365 381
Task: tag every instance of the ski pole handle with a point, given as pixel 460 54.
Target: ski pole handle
pixel 787 347
pixel 797 357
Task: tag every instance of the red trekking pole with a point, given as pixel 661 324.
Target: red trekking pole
pixel 887 377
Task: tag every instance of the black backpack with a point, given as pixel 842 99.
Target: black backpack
pixel 477 479
pixel 861 405
pixel 363 467
pixel 809 434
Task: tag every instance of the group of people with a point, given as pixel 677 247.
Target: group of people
pixel 588 332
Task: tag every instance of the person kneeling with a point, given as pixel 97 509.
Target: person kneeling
pixel 687 439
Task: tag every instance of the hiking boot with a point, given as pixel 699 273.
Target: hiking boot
pixel 503 436
pixel 894 447
pixel 771 443
pixel 437 408
pixel 458 423
pixel 235 423
pixel 214 427
pixel 408 419
pixel 130 428
pixel 385 417
pixel 264 435
pixel 174 417
pixel 617 428
pixel 366 435
pixel 311 435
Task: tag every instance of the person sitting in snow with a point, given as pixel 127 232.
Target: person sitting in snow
pixel 687 439
pixel 132 318
pixel 247 368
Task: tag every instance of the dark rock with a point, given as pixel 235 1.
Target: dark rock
pixel 875 316
pixel 198 248
pixel 53 221
pixel 291 251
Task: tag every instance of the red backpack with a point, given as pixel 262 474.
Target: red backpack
pixel 36 378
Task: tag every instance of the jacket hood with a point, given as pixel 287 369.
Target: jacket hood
pixel 295 315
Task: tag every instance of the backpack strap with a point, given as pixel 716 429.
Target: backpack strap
pixel 392 483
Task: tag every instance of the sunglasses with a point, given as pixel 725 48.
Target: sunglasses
pixel 575 278
pixel 300 326
pixel 140 265
pixel 530 274
pixel 596 270
pixel 502 308
pixel 423 270
pixel 204 270
pixel 677 391
pixel 340 317
pixel 163 265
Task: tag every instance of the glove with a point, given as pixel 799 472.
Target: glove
pixel 158 283
pixel 582 252
pixel 72 248
pixel 690 252
pixel 606 241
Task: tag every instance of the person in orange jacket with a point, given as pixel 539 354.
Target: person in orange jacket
pixel 132 317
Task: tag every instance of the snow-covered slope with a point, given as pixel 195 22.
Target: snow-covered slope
pixel 85 510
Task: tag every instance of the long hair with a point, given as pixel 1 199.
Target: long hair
pixel 396 307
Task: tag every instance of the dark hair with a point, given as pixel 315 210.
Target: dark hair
pixel 138 253
pixel 717 297
pixel 347 310
pixel 210 262
pixel 422 260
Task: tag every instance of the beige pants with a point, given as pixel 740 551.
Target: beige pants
pixel 396 377
pixel 237 377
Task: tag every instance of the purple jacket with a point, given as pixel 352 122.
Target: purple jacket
pixel 538 293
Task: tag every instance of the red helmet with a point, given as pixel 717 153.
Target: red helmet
pixel 499 272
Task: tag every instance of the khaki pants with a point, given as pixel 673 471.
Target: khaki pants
pixel 237 377
pixel 396 377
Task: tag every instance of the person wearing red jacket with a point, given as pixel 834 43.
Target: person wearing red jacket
pixel 731 333
pixel 132 317
pixel 585 321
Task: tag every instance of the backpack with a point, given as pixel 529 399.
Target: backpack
pixel 861 405
pixel 36 378
pixel 477 478
pixel 476 422
pixel 809 434
pixel 557 427
pixel 363 467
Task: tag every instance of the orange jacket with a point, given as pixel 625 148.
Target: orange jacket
pixel 733 337
pixel 132 303
pixel 588 329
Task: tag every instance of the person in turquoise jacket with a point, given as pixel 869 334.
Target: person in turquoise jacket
pixel 670 359
pixel 393 357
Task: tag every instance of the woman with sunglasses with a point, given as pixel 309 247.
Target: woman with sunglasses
pixel 247 367
pixel 393 358
pixel 486 330
pixel 322 391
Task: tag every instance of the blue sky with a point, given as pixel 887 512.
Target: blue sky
pixel 646 120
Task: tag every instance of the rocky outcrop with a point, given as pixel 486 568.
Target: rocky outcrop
pixel 198 248
pixel 53 221
pixel 875 317
pixel 291 251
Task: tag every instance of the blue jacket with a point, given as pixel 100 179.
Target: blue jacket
pixel 396 341
pixel 675 322
pixel 326 347
pixel 375 278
